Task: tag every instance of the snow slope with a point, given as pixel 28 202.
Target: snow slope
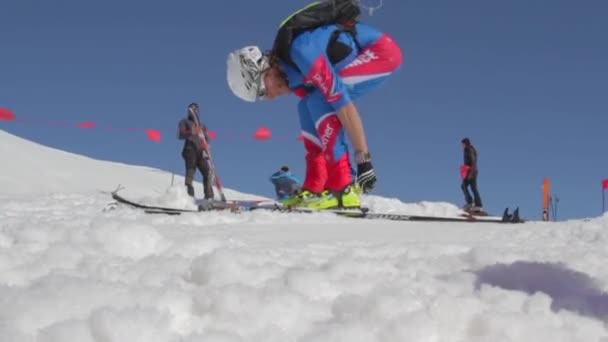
pixel 71 271
pixel 30 168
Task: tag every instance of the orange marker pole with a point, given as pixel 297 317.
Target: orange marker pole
pixel 545 199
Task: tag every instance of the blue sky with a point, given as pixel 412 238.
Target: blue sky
pixel 525 80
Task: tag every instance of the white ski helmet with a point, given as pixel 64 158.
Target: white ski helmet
pixel 245 68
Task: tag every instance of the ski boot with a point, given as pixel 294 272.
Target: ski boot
pixel 348 198
pixel 300 198
pixel 476 211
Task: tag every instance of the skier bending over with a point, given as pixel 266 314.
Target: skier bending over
pixel 328 67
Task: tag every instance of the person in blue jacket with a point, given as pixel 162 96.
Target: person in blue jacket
pixel 285 183
pixel 328 67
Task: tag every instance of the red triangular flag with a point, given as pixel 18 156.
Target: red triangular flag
pixel 605 184
pixel 153 134
pixel 212 135
pixel 262 133
pixel 6 114
pixel 86 125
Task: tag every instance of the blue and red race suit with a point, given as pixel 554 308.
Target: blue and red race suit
pixel 326 88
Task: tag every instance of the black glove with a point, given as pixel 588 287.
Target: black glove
pixel 366 177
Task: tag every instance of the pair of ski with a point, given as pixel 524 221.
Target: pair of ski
pixel 240 206
pixel 367 214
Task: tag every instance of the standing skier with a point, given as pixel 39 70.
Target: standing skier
pixel 324 55
pixel 469 172
pixel 285 183
pixel 195 154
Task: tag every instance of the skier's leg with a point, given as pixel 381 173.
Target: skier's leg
pixel 316 171
pixel 331 136
pixel 475 191
pixel 205 170
pixel 340 191
pixel 189 156
pixel 465 191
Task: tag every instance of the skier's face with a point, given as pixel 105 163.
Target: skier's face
pixel 275 83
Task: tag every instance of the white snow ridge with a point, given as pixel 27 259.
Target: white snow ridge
pixel 71 271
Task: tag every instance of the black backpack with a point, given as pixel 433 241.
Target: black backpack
pixel 344 13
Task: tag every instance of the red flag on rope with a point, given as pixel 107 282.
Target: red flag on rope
pixel 153 134
pixel 6 114
pixel 262 133
pixel 86 125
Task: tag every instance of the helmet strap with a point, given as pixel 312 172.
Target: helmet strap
pixel 259 83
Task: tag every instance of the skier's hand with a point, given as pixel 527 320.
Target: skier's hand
pixel 366 177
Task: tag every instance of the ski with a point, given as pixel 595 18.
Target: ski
pixel 134 204
pixel 365 213
pixel 361 213
pixel 202 205
pixel 405 217
pixel 213 171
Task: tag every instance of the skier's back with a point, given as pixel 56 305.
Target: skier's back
pixel 285 183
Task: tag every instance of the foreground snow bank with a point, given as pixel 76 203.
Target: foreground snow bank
pixel 71 272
